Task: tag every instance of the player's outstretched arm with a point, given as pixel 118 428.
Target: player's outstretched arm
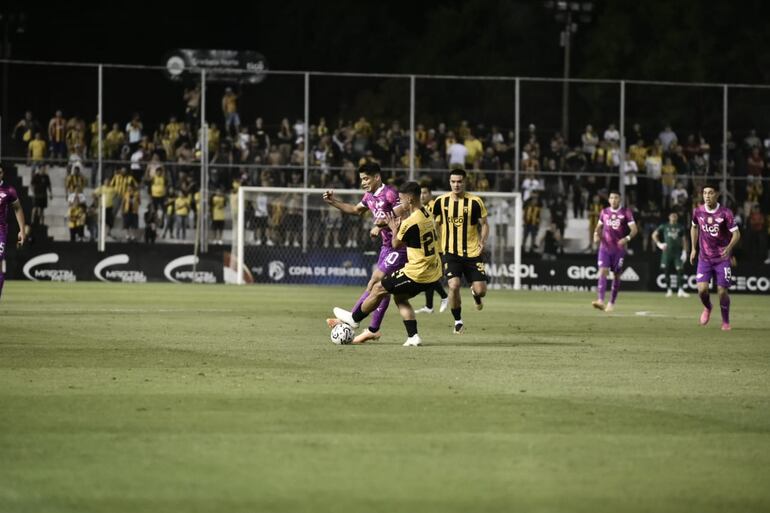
pixel 347 208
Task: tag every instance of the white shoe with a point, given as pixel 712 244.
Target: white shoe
pixel 296 244
pixel 682 293
pixel 444 305
pixel 424 309
pixel 257 242
pixel 768 260
pixel 610 307
pixel 270 243
pixel 669 293
pixel 413 341
pixel 345 316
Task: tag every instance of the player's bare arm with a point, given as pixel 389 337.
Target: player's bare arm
pixel 484 232
pixel 633 231
pixel 694 243
pixel 346 208
pixel 598 232
pixel 22 223
pixel 733 241
pixel 394 222
pixel 656 239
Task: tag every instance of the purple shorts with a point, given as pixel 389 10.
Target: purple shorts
pixel 391 259
pixel 720 270
pixel 611 259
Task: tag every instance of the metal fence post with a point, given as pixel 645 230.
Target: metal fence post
pixel 516 128
pixel 99 160
pixel 622 173
pixel 725 112
pixel 412 86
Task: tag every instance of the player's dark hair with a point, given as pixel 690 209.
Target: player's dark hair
pixel 425 184
pixel 370 168
pixel 710 186
pixel 410 188
pixel 612 191
pixel 457 171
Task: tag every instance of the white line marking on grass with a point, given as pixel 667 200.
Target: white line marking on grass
pixel 127 310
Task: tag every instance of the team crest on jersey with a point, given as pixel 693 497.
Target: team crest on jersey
pixel 710 220
pixel 613 216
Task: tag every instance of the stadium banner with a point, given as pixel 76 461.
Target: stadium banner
pixel 567 274
pixel 243 66
pixel 746 278
pixel 138 263
pixel 124 263
pixel 320 266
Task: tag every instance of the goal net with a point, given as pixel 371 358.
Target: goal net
pixel 290 235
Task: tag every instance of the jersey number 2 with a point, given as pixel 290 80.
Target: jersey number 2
pixel 427 244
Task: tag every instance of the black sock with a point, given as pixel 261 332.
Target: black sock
pixel 358 315
pixel 429 298
pixel 441 291
pixel 476 299
pixel 457 313
pixel 411 328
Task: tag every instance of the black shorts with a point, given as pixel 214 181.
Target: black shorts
pixel 130 221
pixel 470 267
pixel 399 284
pixel 218 225
pixel 40 201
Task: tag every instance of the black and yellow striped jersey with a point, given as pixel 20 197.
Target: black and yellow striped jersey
pixel 459 220
pixel 418 233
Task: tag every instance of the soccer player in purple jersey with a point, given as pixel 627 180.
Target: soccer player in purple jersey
pixel 714 228
pixel 382 201
pixel 8 200
pixel 615 229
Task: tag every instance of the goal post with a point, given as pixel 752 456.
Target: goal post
pixel 290 235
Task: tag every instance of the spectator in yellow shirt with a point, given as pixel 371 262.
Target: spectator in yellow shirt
pixel 217 203
pixel 181 212
pixel 475 149
pixel 36 150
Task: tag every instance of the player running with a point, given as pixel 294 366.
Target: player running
pixel 615 229
pixel 714 228
pixel 674 252
pixel 461 219
pixel 381 200
pixel 9 200
pixel 417 233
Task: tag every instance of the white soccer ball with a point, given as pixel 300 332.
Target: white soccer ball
pixel 342 334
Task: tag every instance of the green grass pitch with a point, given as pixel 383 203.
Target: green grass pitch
pixel 190 398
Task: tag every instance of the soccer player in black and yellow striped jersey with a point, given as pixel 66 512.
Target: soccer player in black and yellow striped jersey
pixel 421 272
pixel 461 220
pixel 426 198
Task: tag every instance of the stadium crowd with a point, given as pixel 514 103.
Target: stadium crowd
pixel 664 172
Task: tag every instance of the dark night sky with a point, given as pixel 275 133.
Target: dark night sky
pixel 683 40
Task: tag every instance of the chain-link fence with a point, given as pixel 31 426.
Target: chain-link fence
pixel 184 146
